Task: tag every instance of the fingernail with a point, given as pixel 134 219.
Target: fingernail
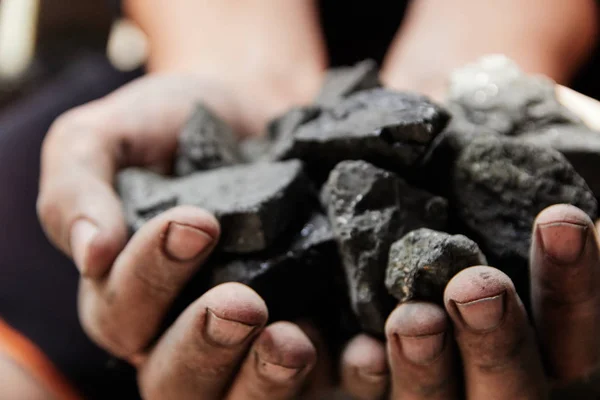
pixel 370 376
pixel 563 242
pixel 422 349
pixel 225 332
pixel 275 372
pixel 482 314
pixel 185 242
pixel 82 234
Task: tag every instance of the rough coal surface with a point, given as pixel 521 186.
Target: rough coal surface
pixel 494 94
pixel 281 130
pixel 579 144
pixel 254 203
pixel 501 184
pixel 296 280
pixel 253 149
pixel 423 262
pixel 344 81
pixel 370 208
pixel 387 128
pixel 205 142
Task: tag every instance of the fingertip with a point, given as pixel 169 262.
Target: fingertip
pixel 476 283
pixel 286 348
pixel 365 373
pixel 416 319
pixel 238 302
pixel 365 355
pixel 196 217
pixel 563 213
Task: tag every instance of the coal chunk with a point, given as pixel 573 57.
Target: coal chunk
pixel 370 208
pixel 296 280
pixel 253 149
pixel 494 94
pixel 344 81
pixel 254 203
pixel 281 130
pixel 579 144
pixel 423 262
pixel 501 184
pixel 387 128
pixel 205 142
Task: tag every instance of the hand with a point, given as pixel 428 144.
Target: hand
pixel 502 362
pixel 499 355
pixel 497 346
pixel 217 348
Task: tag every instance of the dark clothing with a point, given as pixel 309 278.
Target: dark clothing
pixel 38 285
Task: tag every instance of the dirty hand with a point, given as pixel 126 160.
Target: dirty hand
pixel 217 348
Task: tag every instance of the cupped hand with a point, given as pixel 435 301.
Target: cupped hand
pixel 217 348
pixel 500 355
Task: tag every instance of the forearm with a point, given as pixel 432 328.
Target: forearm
pixel 258 46
pixel 551 37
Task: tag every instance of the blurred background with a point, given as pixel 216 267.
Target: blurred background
pixel 39 38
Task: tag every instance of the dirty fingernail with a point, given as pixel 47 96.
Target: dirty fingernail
pixel 275 372
pixel 185 242
pixel 370 376
pixel 225 332
pixel 482 314
pixel 422 349
pixel 563 242
pixel 82 234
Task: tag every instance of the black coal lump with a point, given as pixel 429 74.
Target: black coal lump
pixel 423 262
pixel 254 203
pixel 205 142
pixel 579 144
pixel 387 128
pixel 369 209
pixel 344 81
pixel 499 187
pixel 295 280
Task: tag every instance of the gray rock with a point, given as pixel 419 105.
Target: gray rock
pixel 281 130
pixel 423 262
pixel 206 142
pixel 253 149
pixel 390 129
pixel 579 144
pixel 501 184
pixel 344 81
pixel 370 208
pixel 495 94
pixel 296 280
pixel 254 203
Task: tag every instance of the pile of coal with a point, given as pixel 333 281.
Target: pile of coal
pixel 371 196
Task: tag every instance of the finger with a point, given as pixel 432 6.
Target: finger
pixel 496 343
pixel 565 277
pixel 197 357
pixel 320 381
pixel 124 312
pixel 77 206
pixel 364 368
pixel 276 366
pixel 419 348
pixel 585 107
